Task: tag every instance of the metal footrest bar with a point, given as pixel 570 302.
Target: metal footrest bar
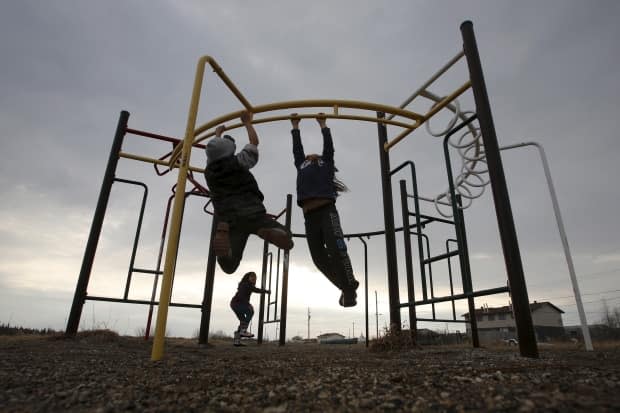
pixel 440 257
pixel 480 293
pixel 431 218
pixel 440 320
pixel 271 321
pixel 147 302
pixel 143 271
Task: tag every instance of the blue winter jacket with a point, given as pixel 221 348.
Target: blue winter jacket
pixel 314 178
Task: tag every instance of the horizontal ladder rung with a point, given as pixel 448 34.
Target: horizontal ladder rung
pixel 439 320
pixel 146 271
pixel 480 293
pixel 271 321
pixel 129 301
pixel 422 223
pixel 430 218
pixel 440 257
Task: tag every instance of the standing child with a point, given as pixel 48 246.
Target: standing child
pixel 317 189
pixel 237 200
pixel 240 304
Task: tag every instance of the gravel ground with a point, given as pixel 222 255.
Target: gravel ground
pixel 107 373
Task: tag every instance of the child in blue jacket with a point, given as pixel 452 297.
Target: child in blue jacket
pixel 317 189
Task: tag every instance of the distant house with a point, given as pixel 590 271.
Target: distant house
pixel 497 323
pixel 329 337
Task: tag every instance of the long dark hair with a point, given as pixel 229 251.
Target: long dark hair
pixel 246 277
pixel 339 186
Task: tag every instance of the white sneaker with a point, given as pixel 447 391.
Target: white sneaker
pixel 246 334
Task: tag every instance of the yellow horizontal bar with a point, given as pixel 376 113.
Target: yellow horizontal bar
pixel 307 116
pixel 292 104
pixel 153 161
pixel 351 104
pixel 442 104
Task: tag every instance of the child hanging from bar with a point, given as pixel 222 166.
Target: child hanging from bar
pixel 240 304
pixel 237 200
pixel 317 189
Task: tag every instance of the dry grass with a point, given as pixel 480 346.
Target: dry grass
pixel 394 340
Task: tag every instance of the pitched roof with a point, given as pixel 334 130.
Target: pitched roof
pixel 330 334
pixel 508 309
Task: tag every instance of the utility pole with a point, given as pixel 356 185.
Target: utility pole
pixel 353 329
pixel 308 323
pixel 377 313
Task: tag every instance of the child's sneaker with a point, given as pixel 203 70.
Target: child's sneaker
pixel 246 334
pixel 237 339
pixel 221 243
pixel 277 236
pixel 348 298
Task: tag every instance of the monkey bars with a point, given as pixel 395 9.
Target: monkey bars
pixel 334 104
pixel 180 155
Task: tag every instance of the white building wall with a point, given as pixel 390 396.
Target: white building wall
pixel 547 316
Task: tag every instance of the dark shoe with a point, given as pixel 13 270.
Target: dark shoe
pixel 238 343
pixel 351 295
pixel 348 298
pixel 277 236
pixel 221 243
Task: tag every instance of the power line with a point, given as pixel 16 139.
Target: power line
pixel 592 293
pixel 609 272
pixel 596 301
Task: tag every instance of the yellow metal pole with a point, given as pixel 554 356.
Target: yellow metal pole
pixel 217 69
pixel 444 102
pixel 175 222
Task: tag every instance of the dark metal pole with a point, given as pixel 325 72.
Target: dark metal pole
pixel 377 315
pixel 408 260
pixel 158 268
pixel 269 302
pixel 390 236
pixel 459 228
pixel 275 304
pixel 136 239
pixel 95 229
pixel 450 275
pixel 418 224
pixel 503 210
pixel 365 284
pixel 464 258
pixel 263 280
pixel 207 300
pixel 283 308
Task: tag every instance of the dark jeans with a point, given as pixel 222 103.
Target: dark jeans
pixel 327 246
pixel 239 231
pixel 244 312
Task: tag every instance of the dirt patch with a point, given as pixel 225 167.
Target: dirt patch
pixel 108 373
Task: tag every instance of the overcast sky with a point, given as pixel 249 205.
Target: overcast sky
pixel 70 67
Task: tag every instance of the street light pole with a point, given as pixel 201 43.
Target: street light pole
pixel 569 259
